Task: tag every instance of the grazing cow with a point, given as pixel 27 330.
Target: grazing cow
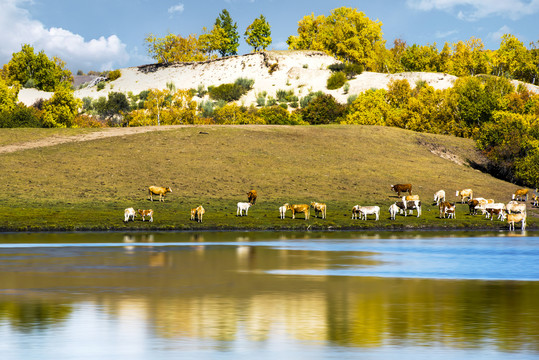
pixel 520 194
pixel 472 204
pixel 487 208
pixel 158 190
pixel 535 200
pixel 514 218
pixel 363 211
pixel 466 193
pixel 129 214
pixel 251 196
pixel 439 197
pixel 196 213
pixel 398 188
pixel 319 208
pixel 243 206
pixel 144 213
pixel 393 210
pixel 282 210
pixel 514 207
pixel 302 208
pixel 410 206
pixel 445 208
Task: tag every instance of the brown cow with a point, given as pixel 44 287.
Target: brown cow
pixel 472 205
pixel 319 208
pixel 158 190
pixel 144 213
pixel 513 218
pixel 303 208
pixel 398 188
pixel 520 194
pixel 252 195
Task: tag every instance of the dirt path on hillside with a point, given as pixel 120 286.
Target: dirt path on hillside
pixel 101 134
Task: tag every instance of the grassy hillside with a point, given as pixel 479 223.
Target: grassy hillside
pixel 87 185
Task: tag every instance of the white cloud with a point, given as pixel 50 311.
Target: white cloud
pixel 176 9
pixel 17 28
pixel 445 34
pixel 497 35
pixel 477 9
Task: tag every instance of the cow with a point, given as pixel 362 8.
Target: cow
pixel 282 211
pixel 472 204
pixel 513 207
pixel 520 194
pixel 466 193
pixel 398 188
pixel 446 208
pixel 243 207
pixel 319 208
pixel 393 210
pixel 407 198
pixel 196 213
pixel 251 196
pixel 301 208
pixel 451 211
pixel 535 200
pixel 514 218
pixel 410 206
pixel 363 211
pixel 158 190
pixel 129 214
pixel 144 213
pixel 487 208
pixel 439 196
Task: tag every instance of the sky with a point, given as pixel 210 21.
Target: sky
pixel 109 34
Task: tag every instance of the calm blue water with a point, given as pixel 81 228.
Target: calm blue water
pixel 269 295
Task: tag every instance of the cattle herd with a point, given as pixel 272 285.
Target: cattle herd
pixel 512 212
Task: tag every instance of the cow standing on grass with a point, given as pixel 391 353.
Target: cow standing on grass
pixel 251 196
pixel 158 190
pixel 398 188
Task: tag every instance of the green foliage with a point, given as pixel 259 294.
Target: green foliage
pixel 37 70
pixel 201 91
pixel 323 109
pixel 230 29
pixel 274 115
pixel 231 92
pixel 20 116
pixel 350 69
pixel 174 48
pixel 309 97
pixel 336 80
pixel 258 34
pixel 206 108
pixel 100 86
pixel 114 74
pixel 369 108
pixel 61 109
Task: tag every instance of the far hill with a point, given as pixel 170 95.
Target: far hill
pixel 300 71
pixel 85 182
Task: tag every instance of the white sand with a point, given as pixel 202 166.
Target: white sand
pixel 301 71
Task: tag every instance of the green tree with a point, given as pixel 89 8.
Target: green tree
pixel 369 108
pixel 258 34
pixel 215 40
pixel 512 58
pixel 174 48
pixel 61 109
pixel 323 109
pixel 230 28
pixel 8 96
pixel 37 70
pixel 308 34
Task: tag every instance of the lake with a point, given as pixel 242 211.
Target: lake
pixel 269 295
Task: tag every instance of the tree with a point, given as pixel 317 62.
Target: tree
pixel 512 58
pixel 61 109
pixel 258 34
pixel 224 22
pixel 37 70
pixel 8 96
pixel 308 34
pixel 215 40
pixel 174 48
pixel 323 109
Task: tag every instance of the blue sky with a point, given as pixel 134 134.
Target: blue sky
pixel 102 35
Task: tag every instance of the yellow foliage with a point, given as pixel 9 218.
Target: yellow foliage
pixel 370 108
pixel 234 114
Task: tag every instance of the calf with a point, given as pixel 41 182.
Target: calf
pixel 282 211
pixel 319 208
pixel 514 218
pixel 144 213
pixel 439 196
pixel 363 211
pixel 129 214
pixel 398 188
pixel 302 208
pixel 446 209
pixel 158 190
pixel 466 193
pixel 243 207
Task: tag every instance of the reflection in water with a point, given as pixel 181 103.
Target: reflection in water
pixel 226 293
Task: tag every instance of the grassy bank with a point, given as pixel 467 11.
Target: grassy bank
pixel 87 185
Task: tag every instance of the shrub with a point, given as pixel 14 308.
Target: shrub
pixel 261 101
pixel 271 101
pixel 21 116
pixel 349 69
pixel 309 97
pixel 86 121
pixel 231 92
pixel 323 109
pixel 336 80
pixel 274 115
pixel 346 88
pixel 206 108
pixel 246 84
pixel 201 91
pixel 100 86
pixel 273 68
pixel 114 74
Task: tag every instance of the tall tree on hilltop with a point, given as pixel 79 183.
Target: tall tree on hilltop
pixel 258 34
pixel 224 21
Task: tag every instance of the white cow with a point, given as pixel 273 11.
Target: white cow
pixel 282 210
pixel 514 207
pixel 439 197
pixel 129 214
pixel 243 206
pixel 513 218
pixel 393 210
pixel 363 211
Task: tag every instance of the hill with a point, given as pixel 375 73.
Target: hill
pixel 85 182
pixel 301 71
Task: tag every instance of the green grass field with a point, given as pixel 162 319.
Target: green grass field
pixel 87 185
